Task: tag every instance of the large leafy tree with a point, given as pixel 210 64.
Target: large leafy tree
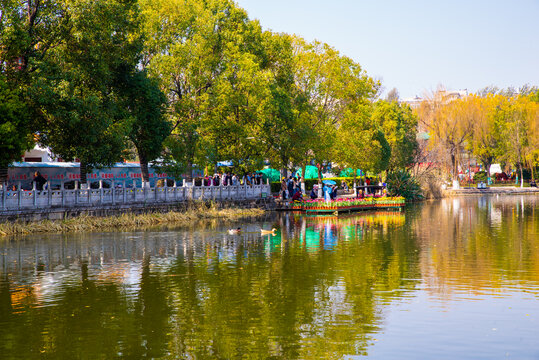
pixel 28 29
pixel 286 131
pixel 449 123
pixel 144 106
pixel 77 90
pixel 361 143
pixel 15 133
pixel 399 125
pixel 331 84
pixel 207 56
pixel 516 119
pixel 485 140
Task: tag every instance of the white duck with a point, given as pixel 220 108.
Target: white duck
pixel 234 231
pixel 267 232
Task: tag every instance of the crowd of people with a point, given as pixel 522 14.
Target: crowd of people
pixel 291 188
pixel 231 179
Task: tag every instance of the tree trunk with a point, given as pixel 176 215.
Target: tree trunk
pixel 144 168
pixel 455 171
pixel 354 183
pixel 303 173
pixel 83 172
pixel 319 168
pixel 455 167
pixel 285 166
pixel 521 176
pixel 189 172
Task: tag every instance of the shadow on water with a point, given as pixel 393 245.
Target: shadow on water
pixel 321 287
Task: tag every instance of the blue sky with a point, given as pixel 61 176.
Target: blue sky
pixel 414 45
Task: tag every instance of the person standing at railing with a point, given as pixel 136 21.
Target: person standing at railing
pixel 284 189
pixel 39 180
pixel 314 192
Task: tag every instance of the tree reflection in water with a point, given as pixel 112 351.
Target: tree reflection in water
pixel 320 288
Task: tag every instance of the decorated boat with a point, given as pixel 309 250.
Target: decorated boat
pixel 346 205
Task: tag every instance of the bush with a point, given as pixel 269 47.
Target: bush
pixel 401 183
pixel 275 186
pixel 480 176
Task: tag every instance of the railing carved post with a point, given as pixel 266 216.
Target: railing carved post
pixel 221 190
pixel 76 190
pixel 62 192
pixel 49 194
pixel 101 191
pixel 4 196
pixel 34 193
pixel 123 195
pixel 19 195
pixel 202 190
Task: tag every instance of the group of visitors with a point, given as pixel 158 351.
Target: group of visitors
pixel 291 188
pixel 232 179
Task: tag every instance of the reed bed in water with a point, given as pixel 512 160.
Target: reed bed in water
pixel 93 223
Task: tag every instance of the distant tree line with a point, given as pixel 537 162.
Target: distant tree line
pixel 494 126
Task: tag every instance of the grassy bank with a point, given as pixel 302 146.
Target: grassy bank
pixel 129 221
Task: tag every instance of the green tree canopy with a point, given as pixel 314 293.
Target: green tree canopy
pixel 399 125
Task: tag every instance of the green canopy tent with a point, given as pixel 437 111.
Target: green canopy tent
pixel 311 172
pixel 348 172
pixel 272 174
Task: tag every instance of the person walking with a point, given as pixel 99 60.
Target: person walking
pixel 39 180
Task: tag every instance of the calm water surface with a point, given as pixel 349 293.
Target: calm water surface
pixel 452 279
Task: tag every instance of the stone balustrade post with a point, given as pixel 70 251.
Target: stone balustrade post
pixel 34 193
pixel 113 192
pixel 100 191
pixel 49 194
pixel 19 196
pixel 62 193
pixel 4 196
pixel 76 192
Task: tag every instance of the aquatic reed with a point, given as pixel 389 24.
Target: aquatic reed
pixel 84 223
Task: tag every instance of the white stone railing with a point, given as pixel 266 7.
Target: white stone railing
pixel 42 199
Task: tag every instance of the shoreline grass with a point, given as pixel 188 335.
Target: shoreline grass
pixel 128 221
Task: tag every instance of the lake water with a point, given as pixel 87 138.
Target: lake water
pixel 451 279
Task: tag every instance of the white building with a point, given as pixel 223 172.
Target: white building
pixel 39 154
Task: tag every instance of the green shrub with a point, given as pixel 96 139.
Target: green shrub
pixel 480 176
pixel 275 186
pixel 401 183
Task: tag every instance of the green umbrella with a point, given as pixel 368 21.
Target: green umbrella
pixel 348 172
pixel 272 174
pixel 311 172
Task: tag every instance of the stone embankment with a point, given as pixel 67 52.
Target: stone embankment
pixel 37 205
pixel 506 190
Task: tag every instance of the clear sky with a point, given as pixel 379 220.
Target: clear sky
pixel 414 45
